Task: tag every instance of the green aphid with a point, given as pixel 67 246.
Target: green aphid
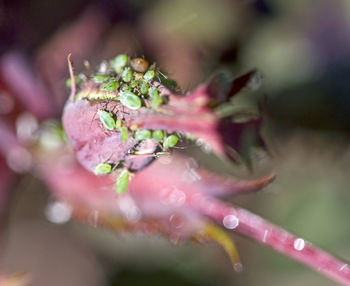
pixel 149 75
pixel 122 183
pixel 129 99
pixel 119 123
pixel 133 84
pixel 107 119
pixel 103 169
pixel 144 88
pixel 157 135
pixel 126 87
pixel 100 78
pixel 119 62
pixel 170 141
pixel 142 134
pixel 127 74
pixel 110 86
pixel 124 133
pixel 69 81
pixel 167 82
pixel 156 100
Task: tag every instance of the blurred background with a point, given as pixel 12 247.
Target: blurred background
pixel 302 50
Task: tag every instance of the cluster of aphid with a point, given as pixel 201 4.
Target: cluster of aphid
pixel 130 82
pixel 138 134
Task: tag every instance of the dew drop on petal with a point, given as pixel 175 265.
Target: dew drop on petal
pixel 299 244
pixel 230 221
pixel 58 212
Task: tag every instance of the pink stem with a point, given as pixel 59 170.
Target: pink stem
pixel 253 226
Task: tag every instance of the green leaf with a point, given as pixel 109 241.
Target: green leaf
pixel 149 75
pixel 122 182
pixel 156 100
pixel 119 62
pixel 124 133
pixel 110 86
pixel 170 141
pixel 127 74
pixel 100 78
pixel 106 119
pixel 102 169
pixel 157 135
pixel 142 134
pixel 129 99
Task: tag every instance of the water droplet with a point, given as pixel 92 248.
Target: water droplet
pixel 177 198
pixel 176 221
pixel 165 160
pixel 265 235
pixel 299 244
pixel 255 82
pixel 58 212
pixel 93 218
pixel 103 67
pixel 172 196
pixel 230 221
pixel 19 159
pixel 343 267
pixel 192 163
pixel 238 267
pixel 206 148
pixel 129 209
pixel 190 176
pixel 26 127
pixel 199 142
pixel 49 140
